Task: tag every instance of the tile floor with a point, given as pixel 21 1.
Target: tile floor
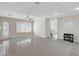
pixel 37 46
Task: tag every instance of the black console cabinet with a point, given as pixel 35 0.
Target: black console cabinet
pixel 68 37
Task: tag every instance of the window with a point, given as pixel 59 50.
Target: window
pixel 5 29
pixel 23 26
pixel 18 27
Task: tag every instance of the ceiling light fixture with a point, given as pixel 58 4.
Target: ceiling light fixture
pixel 56 14
pixel 77 8
pixel 28 18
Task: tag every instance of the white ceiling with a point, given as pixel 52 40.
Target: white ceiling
pixel 44 9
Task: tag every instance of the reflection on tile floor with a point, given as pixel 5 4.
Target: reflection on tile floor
pixel 36 46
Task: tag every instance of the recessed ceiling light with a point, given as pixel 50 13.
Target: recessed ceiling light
pixel 77 8
pixel 56 14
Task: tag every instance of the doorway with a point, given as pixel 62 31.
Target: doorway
pixel 5 29
pixel 51 28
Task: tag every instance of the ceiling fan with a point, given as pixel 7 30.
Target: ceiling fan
pixel 28 18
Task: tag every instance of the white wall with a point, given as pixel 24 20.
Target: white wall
pixel 69 24
pixel 39 27
pixel 48 29
pixel 51 27
pixel 42 27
